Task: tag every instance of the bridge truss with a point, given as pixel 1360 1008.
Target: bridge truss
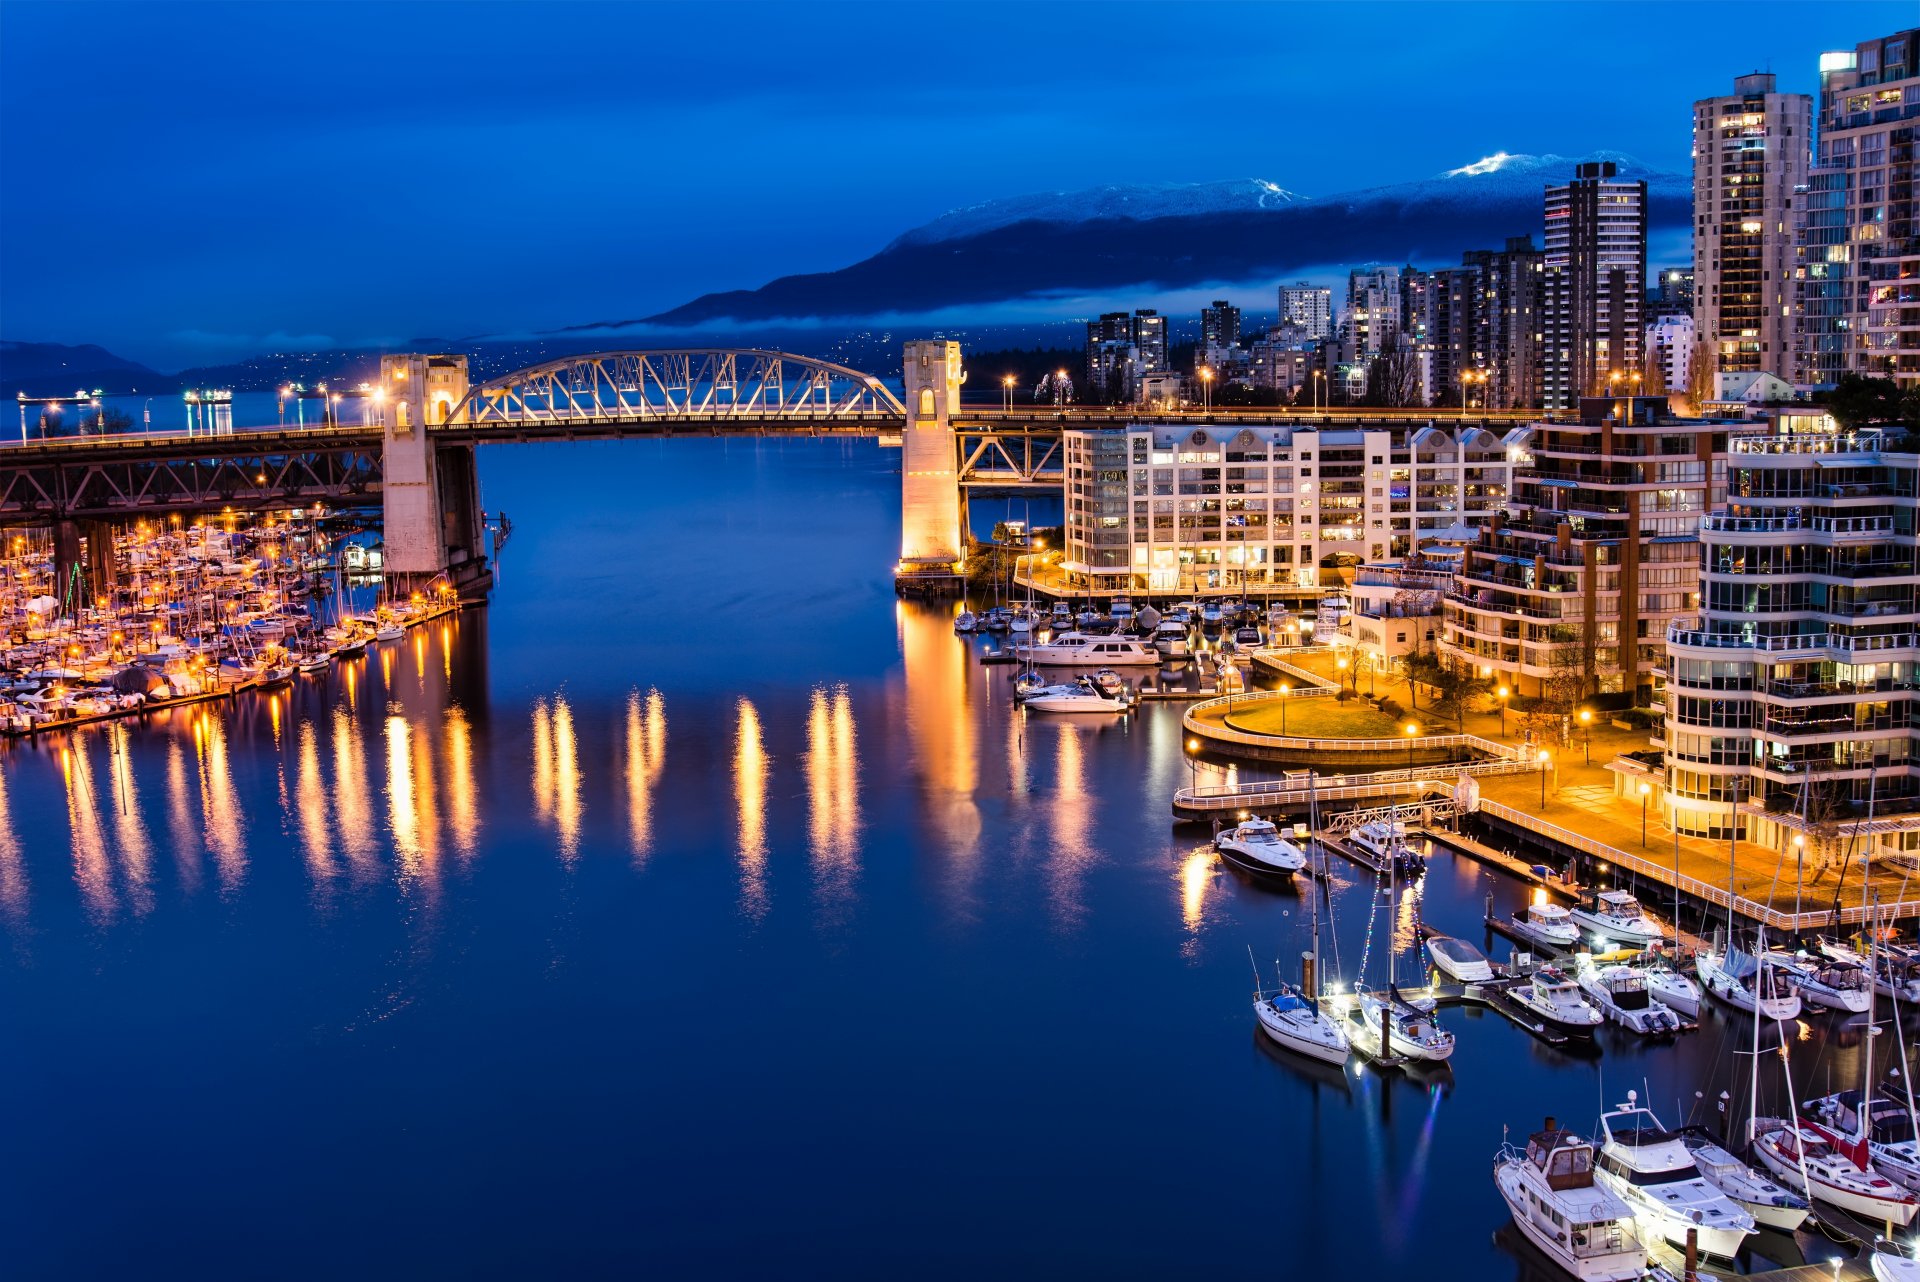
pixel 690 384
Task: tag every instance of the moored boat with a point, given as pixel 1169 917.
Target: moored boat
pixel 1555 1201
pixel 1616 916
pixel 1551 996
pixel 1620 992
pixel 1459 960
pixel 1255 846
pixel 1651 1169
pixel 1770 1205
pixel 1547 926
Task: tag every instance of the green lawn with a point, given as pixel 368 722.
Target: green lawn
pixel 1319 719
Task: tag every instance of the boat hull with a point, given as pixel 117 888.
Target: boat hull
pixel 1253 867
pixel 1874 1210
pixel 1616 1266
pixel 1329 1046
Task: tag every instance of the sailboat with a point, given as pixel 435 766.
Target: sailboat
pixel 1395 1028
pixel 1292 1017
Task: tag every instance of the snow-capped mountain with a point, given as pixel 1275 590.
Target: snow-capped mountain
pixel 1177 236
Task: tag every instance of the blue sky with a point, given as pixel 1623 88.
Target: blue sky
pixel 185 183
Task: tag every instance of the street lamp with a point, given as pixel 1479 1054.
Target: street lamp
pixel 1586 732
pixel 1193 765
pixel 1341 664
pixel 1503 692
pixel 1286 693
pixel 1206 388
pixel 1466 382
pixel 1318 377
pixel 1646 790
pixel 1545 758
pixel 1007 383
pixel 1412 730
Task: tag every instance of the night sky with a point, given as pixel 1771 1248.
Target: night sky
pixel 186 183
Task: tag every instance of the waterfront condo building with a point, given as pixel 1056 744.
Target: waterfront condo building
pixel 1569 591
pixel 1750 152
pixel 1793 690
pixel 1307 308
pixel 1166 507
pixel 1595 271
pixel 1859 252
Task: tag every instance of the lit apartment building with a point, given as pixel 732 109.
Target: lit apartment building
pixel 1308 308
pixel 1219 324
pixel 1570 590
pixel 1508 335
pixel 1794 688
pixel 1174 508
pixel 1859 252
pixel 1750 152
pixel 1595 271
pixel 1670 350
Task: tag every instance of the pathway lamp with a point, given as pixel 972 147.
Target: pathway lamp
pixel 1286 694
pixel 1503 694
pixel 1412 731
pixel 1193 765
pixel 1646 791
pixel 1546 761
pixel 1586 732
pixel 1206 388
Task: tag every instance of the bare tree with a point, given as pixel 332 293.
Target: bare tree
pixel 1394 377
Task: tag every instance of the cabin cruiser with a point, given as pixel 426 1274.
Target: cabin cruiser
pixel 1670 986
pixel 1616 915
pixel 1896 969
pixel 1547 926
pixel 966 622
pixel 389 631
pixel 1297 1024
pixel 1770 1205
pixel 1459 960
pixel 1247 638
pixel 1080 696
pixel 1170 639
pixel 1120 610
pixel 1621 993
pixel 1256 846
pixel 1385 840
pixel 1087 618
pixel 1552 997
pixel 1415 1033
pixel 1111 683
pixel 1836 1170
pixel 1834 985
pixel 1558 1205
pixel 1062 615
pixel 1078 649
pixel 1650 1169
pixel 1735 977
pixel 1892 1264
pixel 1891 1145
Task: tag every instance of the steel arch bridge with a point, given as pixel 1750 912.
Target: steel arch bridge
pixel 690 385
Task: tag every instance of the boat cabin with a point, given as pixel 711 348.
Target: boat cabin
pixel 1563 1158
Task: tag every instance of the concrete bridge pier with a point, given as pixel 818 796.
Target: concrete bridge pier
pixel 434 533
pixel 932 554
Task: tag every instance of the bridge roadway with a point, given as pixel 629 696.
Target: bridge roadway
pixel 137 474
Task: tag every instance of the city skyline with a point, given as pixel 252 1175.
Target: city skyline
pixel 303 220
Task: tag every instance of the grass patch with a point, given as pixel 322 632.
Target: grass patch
pixel 1316 719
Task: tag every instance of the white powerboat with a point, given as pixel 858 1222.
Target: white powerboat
pixel 389 632
pixel 1082 696
pixel 1891 1145
pixel 1770 1205
pixel 1459 960
pixel 1246 638
pixel 1297 1024
pixel 1617 916
pixel 1553 998
pixel 1170 639
pixel 1255 846
pixel 1651 1169
pixel 1413 1033
pixel 1081 650
pixel 1670 986
pixel 1620 993
pixel 1891 1263
pixel 1581 1226
pixel 1837 1171
pixel 1384 841
pixel 1820 981
pixel 1547 926
pixel 1738 979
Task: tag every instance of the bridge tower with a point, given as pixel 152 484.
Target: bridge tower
pixel 434 527
pixel 932 553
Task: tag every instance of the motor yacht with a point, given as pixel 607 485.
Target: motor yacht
pixel 1298 1024
pixel 1111 683
pixel 1770 1205
pixel 1062 615
pixel 1837 1171
pixel 1081 696
pixel 1546 926
pixel 1616 916
pixel 1255 846
pixel 1170 639
pixel 1079 650
pixel 1414 1033
pixel 1459 960
pixel 1581 1226
pixel 1620 992
pixel 1891 1145
pixel 1120 610
pixel 1551 996
pixel 1651 1169
pixel 1738 979
pixel 1832 985
pixel 1384 841
pixel 1246 638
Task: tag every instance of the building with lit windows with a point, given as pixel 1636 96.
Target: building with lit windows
pixel 1308 309
pixel 1750 152
pixel 1794 688
pixel 1594 278
pixel 1859 243
pixel 1176 508
pixel 1573 585
pixel 1219 324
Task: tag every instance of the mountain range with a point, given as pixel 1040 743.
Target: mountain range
pixel 1173 236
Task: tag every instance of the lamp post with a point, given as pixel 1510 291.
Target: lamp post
pixel 1193 765
pixel 1503 692
pixel 1646 791
pixel 1799 868
pixel 1206 388
pixel 1586 732
pixel 1546 759
pixel 1319 376
pixel 1007 383
pixel 1341 665
pixel 1286 696
pixel 1466 383
pixel 1412 730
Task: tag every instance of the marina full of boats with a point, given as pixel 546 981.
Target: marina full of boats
pixel 192 613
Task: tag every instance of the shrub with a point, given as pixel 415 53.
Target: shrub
pixel 1345 694
pixel 1392 708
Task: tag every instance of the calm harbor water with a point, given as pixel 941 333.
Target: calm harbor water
pixel 697 909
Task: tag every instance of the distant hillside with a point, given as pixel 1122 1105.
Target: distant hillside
pixel 56 369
